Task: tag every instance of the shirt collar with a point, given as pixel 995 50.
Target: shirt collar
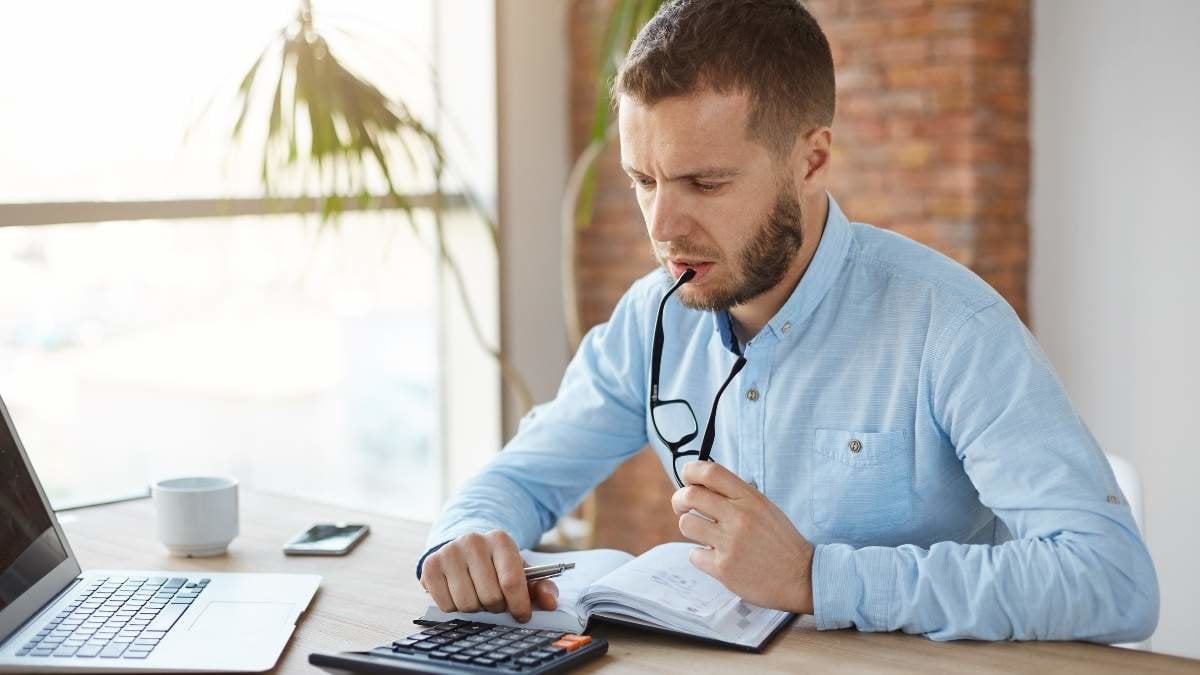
pixel 822 271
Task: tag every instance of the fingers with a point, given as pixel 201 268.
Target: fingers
pixel 699 529
pixel 699 498
pixel 458 578
pixel 433 578
pixel 716 478
pixel 510 571
pixel 705 560
pixel 485 572
pixel 544 594
pixel 484 578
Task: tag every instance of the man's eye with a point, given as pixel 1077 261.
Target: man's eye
pixel 642 181
pixel 706 187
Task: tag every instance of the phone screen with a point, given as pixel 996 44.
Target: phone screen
pixel 327 537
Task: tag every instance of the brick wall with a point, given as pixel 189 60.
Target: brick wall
pixel 930 140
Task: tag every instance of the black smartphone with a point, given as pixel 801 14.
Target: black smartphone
pixel 326 539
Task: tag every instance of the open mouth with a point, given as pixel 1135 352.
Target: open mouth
pixel 678 265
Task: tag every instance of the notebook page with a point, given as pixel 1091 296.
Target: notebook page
pixel 664 578
pixel 662 587
pixel 589 566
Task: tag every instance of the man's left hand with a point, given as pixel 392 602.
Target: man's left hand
pixel 751 546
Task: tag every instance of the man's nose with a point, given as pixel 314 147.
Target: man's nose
pixel 668 217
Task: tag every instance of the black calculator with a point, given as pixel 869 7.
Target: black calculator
pixel 470 647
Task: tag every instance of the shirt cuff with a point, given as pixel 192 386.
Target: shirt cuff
pixel 852 587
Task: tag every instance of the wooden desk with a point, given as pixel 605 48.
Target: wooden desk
pixel 370 597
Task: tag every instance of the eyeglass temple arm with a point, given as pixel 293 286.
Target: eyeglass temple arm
pixel 656 350
pixel 710 429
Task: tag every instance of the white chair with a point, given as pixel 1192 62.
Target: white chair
pixel 1131 486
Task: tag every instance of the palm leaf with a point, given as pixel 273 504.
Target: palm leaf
pixel 351 126
pixel 624 23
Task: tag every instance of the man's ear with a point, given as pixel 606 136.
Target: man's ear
pixel 810 159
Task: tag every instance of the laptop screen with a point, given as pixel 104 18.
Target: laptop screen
pixel 29 545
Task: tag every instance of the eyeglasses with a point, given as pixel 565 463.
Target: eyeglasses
pixel 673 419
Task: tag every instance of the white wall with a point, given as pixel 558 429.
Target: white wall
pixel 470 395
pixel 532 77
pixel 1116 255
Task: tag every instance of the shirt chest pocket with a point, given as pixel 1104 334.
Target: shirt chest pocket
pixel 861 484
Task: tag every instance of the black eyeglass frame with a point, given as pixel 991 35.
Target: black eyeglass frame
pixel 703 454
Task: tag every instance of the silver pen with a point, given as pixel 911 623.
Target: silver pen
pixel 539 572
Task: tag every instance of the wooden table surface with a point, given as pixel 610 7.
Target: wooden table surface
pixel 370 597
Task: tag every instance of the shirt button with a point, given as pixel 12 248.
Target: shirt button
pixel 787 325
pixel 752 394
pixel 855 445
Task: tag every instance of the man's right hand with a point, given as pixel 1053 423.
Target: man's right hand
pixel 484 572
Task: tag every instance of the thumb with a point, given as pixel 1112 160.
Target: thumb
pixel 544 594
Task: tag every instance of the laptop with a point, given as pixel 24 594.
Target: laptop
pixel 56 617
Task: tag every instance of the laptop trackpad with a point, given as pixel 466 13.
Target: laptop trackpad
pixel 233 617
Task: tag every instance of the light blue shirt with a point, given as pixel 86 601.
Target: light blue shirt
pixel 898 411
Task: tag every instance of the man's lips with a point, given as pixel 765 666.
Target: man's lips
pixel 677 267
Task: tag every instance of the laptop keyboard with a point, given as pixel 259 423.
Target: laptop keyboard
pixel 115 617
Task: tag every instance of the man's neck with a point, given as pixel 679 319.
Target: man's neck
pixel 749 318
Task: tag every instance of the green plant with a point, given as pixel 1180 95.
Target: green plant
pixel 325 118
pixel 625 20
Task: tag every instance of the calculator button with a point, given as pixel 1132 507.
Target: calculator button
pixel 495 643
pixel 572 642
pixel 439 654
pixel 530 642
pixel 484 661
pixel 424 646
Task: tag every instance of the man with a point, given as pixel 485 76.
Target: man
pixel 894 451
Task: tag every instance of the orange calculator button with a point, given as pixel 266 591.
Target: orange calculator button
pixel 571 642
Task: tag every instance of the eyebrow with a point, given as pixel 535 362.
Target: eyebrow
pixel 707 172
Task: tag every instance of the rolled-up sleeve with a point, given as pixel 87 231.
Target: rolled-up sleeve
pixel 565 447
pixel 1076 568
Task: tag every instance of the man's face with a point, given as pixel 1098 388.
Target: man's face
pixel 712 198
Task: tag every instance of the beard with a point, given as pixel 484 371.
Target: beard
pixel 764 260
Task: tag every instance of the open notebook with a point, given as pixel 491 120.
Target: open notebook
pixel 659 590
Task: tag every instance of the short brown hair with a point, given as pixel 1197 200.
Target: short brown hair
pixel 771 49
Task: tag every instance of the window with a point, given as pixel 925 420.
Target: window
pixel 166 338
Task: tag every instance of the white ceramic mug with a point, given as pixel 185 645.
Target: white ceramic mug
pixel 197 516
